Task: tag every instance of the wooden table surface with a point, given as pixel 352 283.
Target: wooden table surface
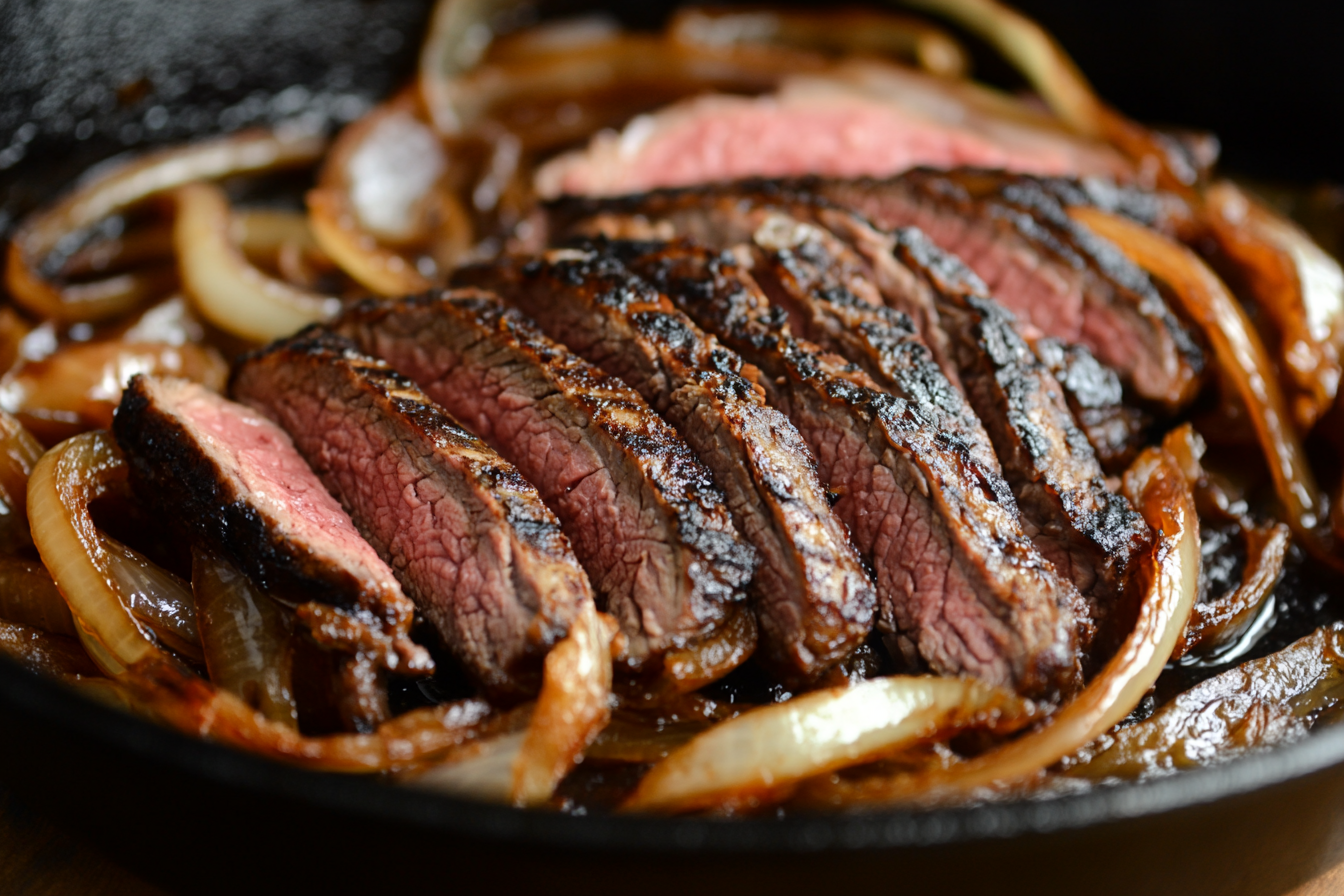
pixel 38 858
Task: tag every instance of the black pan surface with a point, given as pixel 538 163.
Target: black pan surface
pixel 82 81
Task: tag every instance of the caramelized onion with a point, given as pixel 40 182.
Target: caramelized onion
pixel 1048 68
pixel 690 668
pixel 226 289
pixel 1256 705
pixel 1158 489
pixel 29 596
pixel 573 707
pixel 156 597
pixel 79 386
pixel 64 482
pixel 1241 356
pixel 43 652
pixel 245 636
pixel 761 753
pixel 1294 283
pixel 839 31
pixel 118 188
pixel 1219 622
pixel 19 452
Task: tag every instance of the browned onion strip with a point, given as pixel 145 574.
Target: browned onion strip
pixel 1157 487
pixel 844 31
pixel 1048 68
pixel 150 244
pixel 29 596
pixel 1219 622
pixel 690 668
pixel 759 755
pixel 196 707
pixel 1294 283
pixel 156 597
pixel 573 707
pixel 1240 353
pixel 19 452
pixel 79 386
pixel 225 288
pixel 66 480
pixel 119 188
pixel 245 636
pixel 43 652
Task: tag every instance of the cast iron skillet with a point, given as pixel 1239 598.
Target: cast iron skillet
pixel 81 81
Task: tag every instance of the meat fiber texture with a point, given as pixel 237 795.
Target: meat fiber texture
pixel 642 513
pixel 814 602
pixel 235 479
pixel 469 538
pixel 863 118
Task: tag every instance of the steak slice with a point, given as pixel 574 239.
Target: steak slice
pixel 1055 274
pixel 1091 535
pixel 235 479
pixel 828 291
pixel 959 584
pixel 642 513
pixel 813 599
pixel 1116 431
pixel 470 539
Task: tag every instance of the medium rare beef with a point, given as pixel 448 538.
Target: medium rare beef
pixel 469 539
pixel 862 117
pixel 1115 430
pixel 235 480
pixel 1054 274
pixel 831 300
pixel 1090 534
pixel 960 585
pixel 812 597
pixel 642 513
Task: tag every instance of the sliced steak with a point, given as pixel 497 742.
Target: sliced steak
pixel 1090 534
pixel 829 294
pixel 642 513
pixel 469 539
pixel 959 583
pixel 1115 430
pixel 812 596
pixel 235 479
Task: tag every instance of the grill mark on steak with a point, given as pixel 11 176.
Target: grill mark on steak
pixel 960 585
pixel 235 479
pixel 641 512
pixel 827 290
pixel 1095 397
pixel 1056 274
pixel 1090 534
pixel 469 539
pixel 812 596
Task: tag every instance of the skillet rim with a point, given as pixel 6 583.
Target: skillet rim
pixel 62 709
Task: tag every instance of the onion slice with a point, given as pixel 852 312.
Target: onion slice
pixel 844 31
pixel 19 452
pixel 225 288
pixel 29 596
pixel 1294 283
pixel 245 636
pixel 573 708
pixel 120 187
pixel 1241 356
pixel 761 753
pixel 64 482
pixel 43 652
pixel 156 597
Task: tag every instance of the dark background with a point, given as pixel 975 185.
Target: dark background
pixel 82 80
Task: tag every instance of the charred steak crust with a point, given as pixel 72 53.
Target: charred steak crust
pixel 172 467
pixel 1092 535
pixel 469 539
pixel 814 601
pixel 831 301
pixel 959 583
pixel 1061 278
pixel 642 513
pixel 1116 431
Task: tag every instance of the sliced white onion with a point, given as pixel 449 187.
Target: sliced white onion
pixel 225 288
pixel 763 752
